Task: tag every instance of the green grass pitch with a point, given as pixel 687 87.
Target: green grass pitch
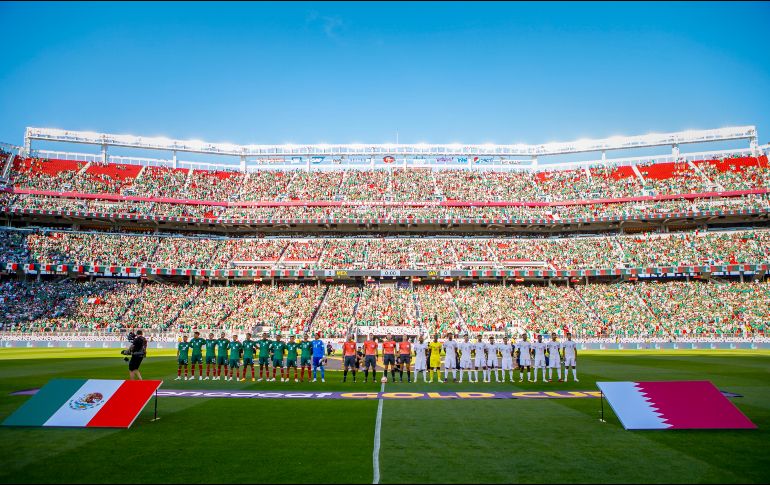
pixel 473 441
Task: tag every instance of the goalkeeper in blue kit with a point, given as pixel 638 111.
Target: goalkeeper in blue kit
pixel 319 357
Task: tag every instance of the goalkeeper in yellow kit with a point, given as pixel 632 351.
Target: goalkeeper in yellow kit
pixel 435 358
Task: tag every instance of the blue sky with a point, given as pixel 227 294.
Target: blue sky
pixel 359 72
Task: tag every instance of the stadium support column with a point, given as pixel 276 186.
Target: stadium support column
pixel 534 162
pixel 27 146
pixel 675 152
pixel 754 147
pixel 604 156
pixel 243 163
pixel 173 159
pixel 104 153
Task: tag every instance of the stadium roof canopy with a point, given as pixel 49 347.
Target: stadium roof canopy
pixel 450 154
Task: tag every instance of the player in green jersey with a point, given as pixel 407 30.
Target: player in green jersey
pixel 196 344
pixel 249 347
pixel 264 356
pixel 222 345
pixel 182 356
pixel 291 357
pixel 278 347
pixel 305 358
pixel 211 359
pixel 235 348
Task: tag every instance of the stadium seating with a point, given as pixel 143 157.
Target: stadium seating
pixel 633 251
pixel 398 184
pixel 336 314
pixel 223 214
pixel 671 310
pixel 660 309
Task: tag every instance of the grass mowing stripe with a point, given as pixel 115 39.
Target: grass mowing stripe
pixel 376 452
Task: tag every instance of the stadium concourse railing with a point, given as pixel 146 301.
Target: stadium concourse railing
pixel 446 275
pixel 437 220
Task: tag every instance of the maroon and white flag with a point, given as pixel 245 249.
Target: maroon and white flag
pixel 673 405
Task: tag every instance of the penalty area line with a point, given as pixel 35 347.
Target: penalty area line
pixel 376 452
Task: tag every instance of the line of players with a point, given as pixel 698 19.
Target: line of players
pixel 473 357
pixel 396 357
pixel 224 353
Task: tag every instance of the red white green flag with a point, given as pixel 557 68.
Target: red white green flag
pixel 85 403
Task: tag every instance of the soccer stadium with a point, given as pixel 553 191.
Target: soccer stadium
pixel 594 309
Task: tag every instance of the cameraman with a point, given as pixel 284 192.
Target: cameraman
pixel 138 352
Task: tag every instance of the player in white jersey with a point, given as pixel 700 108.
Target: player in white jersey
pixel 570 357
pixel 554 358
pixel 480 347
pixel 466 364
pixel 506 350
pixel 450 359
pixel 539 348
pixel 420 361
pixel 525 357
pixel 492 361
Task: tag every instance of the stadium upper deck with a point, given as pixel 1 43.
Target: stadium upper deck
pixel 410 184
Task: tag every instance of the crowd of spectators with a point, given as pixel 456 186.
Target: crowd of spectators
pixel 438 311
pixel 708 309
pixel 46 306
pixel 214 185
pixel 565 184
pixel 220 213
pixel 266 185
pixel 597 252
pixel 335 317
pixel 695 248
pixel 212 307
pixel 316 185
pixel 397 184
pixel 381 306
pixel 284 308
pixel 676 310
pixel 159 182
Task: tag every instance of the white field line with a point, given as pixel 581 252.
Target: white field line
pixel 376 452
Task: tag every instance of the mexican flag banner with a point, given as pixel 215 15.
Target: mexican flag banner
pixel 85 403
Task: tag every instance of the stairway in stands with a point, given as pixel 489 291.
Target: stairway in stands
pixel 316 310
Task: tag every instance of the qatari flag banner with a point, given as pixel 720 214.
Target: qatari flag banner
pixel 673 405
pixel 85 403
